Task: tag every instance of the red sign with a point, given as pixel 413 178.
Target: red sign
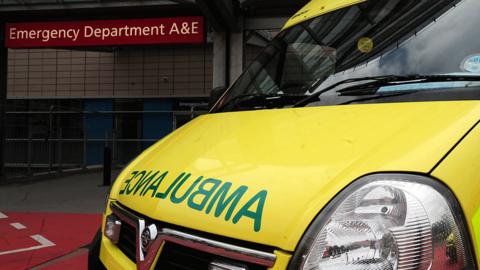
pixel 178 30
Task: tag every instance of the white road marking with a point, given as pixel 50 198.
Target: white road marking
pixel 44 243
pixel 42 240
pixel 18 226
pixel 2 215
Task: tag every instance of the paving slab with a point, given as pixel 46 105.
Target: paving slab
pixel 81 193
pixel 47 224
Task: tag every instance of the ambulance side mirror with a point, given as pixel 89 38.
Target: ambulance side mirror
pixel 215 94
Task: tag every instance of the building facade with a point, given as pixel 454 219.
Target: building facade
pixel 64 105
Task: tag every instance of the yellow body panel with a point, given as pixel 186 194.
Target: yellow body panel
pixel 301 157
pixel 110 255
pixel 460 172
pixel 113 258
pixel 316 8
pixel 286 165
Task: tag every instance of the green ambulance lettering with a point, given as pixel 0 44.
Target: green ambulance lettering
pixel 209 195
pixel 256 215
pixel 144 181
pixel 163 195
pixel 127 182
pixel 154 185
pixel 131 187
pixel 203 191
pixel 173 196
pixel 223 201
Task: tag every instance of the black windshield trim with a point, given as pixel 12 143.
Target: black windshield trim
pixel 388 80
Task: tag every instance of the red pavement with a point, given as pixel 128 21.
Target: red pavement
pixel 68 233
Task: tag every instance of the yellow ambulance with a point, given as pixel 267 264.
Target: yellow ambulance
pixel 352 142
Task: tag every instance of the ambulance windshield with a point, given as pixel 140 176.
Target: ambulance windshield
pixel 371 39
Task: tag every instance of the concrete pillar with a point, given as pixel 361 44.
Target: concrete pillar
pixel 228 55
pixel 219 59
pixel 227 59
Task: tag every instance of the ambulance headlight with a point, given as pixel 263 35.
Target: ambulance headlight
pixel 112 228
pixel 388 222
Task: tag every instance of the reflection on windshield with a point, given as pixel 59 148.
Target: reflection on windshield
pixel 287 66
pixel 377 37
pixel 426 86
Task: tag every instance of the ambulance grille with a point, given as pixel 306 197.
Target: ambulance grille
pixel 177 257
pixel 127 241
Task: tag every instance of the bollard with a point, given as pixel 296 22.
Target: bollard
pixel 107 166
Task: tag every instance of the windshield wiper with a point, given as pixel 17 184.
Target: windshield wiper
pixel 262 100
pixel 378 96
pixel 372 87
pixel 375 82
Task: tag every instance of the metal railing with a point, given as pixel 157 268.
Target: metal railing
pixel 53 142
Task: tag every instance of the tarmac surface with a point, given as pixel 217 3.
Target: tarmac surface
pixel 48 224
pixel 81 193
